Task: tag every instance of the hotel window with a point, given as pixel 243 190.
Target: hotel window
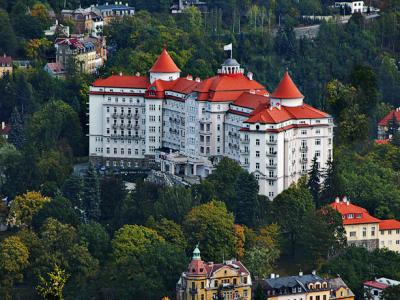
pixel 389 232
pixel 317 153
pixel 318 131
pixel 218 150
pixel 257 142
pixel 352 233
pixel 397 231
pixel 257 153
pixel 257 166
pixel 350 216
pixel 304 132
pixel 108 109
pixel 271 162
pixel 271 138
pixel 271 173
pixel 318 142
pixel 257 176
pixel 218 127
pixel 271 194
pixel 216 283
pixel 270 182
pixel 129 151
pixel 122 151
pixel 373 231
pixel 115 150
pixel 364 231
pixel 108 150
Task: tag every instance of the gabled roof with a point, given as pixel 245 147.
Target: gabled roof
pixel 286 89
pixel 251 100
pixel 293 281
pixel 359 214
pixel 227 87
pixel 375 284
pixel 389 224
pixel 236 265
pixel 56 68
pixel 389 116
pixel 139 82
pixel 164 64
pixel 5 60
pixel 275 115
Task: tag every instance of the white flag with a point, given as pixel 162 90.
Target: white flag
pixel 228 47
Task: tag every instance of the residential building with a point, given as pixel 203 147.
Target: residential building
pixel 57 30
pixel 352 6
pixel 182 4
pixel 373 289
pixel 299 287
pixel 364 230
pixel 6 65
pixel 88 54
pixel 56 70
pixel 206 280
pixel 184 125
pixel 340 290
pixel 389 124
pixel 110 12
pixel 5 130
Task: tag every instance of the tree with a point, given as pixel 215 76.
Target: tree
pixel 24 207
pixel 113 192
pixel 96 238
pixel 314 180
pixel 72 190
pixel 330 186
pixel 396 139
pixel 211 225
pixel 132 240
pixel 91 194
pixel 8 42
pixel 240 240
pixel 246 187
pixel 391 293
pixel 291 210
pixel 171 232
pixel 14 258
pixel 52 288
pixel 60 209
pixel 17 135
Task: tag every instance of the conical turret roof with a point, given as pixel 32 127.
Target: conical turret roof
pixel 164 64
pixel 286 89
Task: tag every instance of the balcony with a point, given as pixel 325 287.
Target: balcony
pixel 273 177
pixel 193 291
pixel 129 116
pixel 303 160
pixel 273 166
pixel 115 115
pixel 246 152
pixel 273 154
pixel 136 127
pixel 121 126
pixel 129 126
pixel 122 115
pixel 245 141
pixel 136 116
pixel 114 126
pixel 303 149
pixel 272 142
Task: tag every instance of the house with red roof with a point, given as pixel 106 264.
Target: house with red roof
pixel 373 289
pixel 364 230
pixel 6 65
pixel 206 280
pixel 388 125
pixel 185 125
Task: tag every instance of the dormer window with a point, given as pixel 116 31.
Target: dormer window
pixel 350 216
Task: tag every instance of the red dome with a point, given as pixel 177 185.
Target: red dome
pixel 286 89
pixel 164 64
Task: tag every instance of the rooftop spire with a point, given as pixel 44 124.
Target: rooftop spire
pixel 196 253
pixel 287 89
pixel 164 64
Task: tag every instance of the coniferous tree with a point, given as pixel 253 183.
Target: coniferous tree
pixel 314 184
pixel 329 189
pixel 17 136
pixel 91 194
pixel 396 139
pixel 246 187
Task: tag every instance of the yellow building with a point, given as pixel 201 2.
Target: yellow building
pixel 6 66
pixel 340 290
pixel 205 281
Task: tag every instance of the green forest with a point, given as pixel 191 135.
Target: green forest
pixel 89 237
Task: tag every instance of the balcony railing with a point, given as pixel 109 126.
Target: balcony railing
pixel 129 116
pixel 272 142
pixel 303 149
pixel 115 115
pixel 273 166
pixel 122 115
pixel 271 153
pixel 303 160
pixel 137 117
pixel 245 141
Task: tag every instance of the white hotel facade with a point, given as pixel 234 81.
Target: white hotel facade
pixel 185 126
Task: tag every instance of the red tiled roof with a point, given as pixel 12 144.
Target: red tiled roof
pixel 274 115
pixel 286 89
pixel 56 67
pixel 376 284
pixel 250 100
pixel 141 82
pixel 5 60
pixel 211 269
pixel 183 86
pixel 360 214
pixel 164 64
pixel 389 224
pixel 389 116
pixel 382 142
pixel 227 87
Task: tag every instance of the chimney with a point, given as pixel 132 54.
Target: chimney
pixel 3 125
pixel 189 77
pixel 120 73
pixel 197 79
pixel 277 275
pixel 301 273
pixel 337 199
pixel 344 198
pixel 210 263
pixel 272 275
pixel 250 75
pixel 252 91
pixel 137 74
